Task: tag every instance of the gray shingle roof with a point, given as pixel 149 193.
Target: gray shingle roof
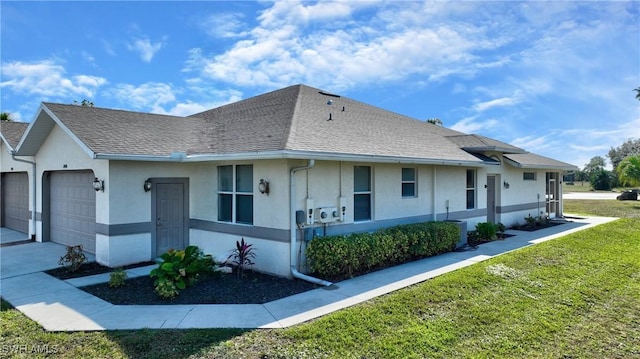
pixel 299 118
pixel 106 131
pixel 11 132
pixel 531 160
pixel 295 122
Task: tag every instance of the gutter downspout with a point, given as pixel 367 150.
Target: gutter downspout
pixel 435 192
pixel 292 206
pixel 33 210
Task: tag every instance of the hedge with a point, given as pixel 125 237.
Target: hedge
pixel 339 257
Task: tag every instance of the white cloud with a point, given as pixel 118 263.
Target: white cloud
pixel 499 102
pixel 48 79
pixel 150 96
pixel 471 125
pixel 145 48
pixel 223 25
pixel 347 48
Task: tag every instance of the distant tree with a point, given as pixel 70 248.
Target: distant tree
pixel 595 164
pixel 637 93
pixel 435 121
pixel 629 171
pixel 630 147
pixel 84 102
pixel 6 117
pixel 601 179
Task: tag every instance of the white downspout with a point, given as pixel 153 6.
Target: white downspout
pixel 292 215
pixel 435 214
pixel 33 210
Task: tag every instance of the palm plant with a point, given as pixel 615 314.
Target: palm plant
pixel 629 171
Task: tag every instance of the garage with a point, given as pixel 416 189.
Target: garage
pixel 72 204
pixel 15 201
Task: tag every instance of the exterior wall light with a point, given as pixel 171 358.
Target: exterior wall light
pixel 263 186
pixel 506 184
pixel 147 185
pixel 98 184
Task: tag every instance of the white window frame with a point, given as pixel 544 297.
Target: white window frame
pixel 524 176
pixel 413 182
pixel 369 193
pixel 473 188
pixel 234 193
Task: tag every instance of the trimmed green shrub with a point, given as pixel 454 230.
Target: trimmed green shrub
pixel 340 257
pixel 487 231
pixel 117 278
pixel 180 269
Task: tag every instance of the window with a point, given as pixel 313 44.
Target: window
pixel 361 193
pixel 235 194
pixel 471 189
pixel 408 182
pixel 529 176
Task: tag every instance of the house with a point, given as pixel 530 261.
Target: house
pixel 275 169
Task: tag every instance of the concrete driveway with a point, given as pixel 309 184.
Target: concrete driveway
pixel 591 195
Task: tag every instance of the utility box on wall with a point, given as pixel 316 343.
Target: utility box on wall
pixel 462 241
pixel 327 214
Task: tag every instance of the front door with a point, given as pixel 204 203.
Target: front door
pixel 170 215
pixel 491 199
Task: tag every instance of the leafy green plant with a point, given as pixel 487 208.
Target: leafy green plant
pixel 73 258
pixel 180 269
pixel 530 221
pixel 242 256
pixel 542 220
pixel 339 257
pixel 486 231
pixel 117 278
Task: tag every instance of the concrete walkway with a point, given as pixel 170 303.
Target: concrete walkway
pixel 591 195
pixel 60 306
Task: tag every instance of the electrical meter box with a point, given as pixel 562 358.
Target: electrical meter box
pixel 327 214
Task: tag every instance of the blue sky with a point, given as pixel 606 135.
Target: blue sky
pixel 555 78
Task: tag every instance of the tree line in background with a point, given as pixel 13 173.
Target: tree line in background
pixel 625 161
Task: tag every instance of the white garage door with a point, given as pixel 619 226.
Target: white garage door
pixel 73 209
pixel 15 201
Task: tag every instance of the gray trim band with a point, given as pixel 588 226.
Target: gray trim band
pixel 123 229
pixel 271 234
pixel 520 207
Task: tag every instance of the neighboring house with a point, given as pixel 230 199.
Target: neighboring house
pixel 275 169
pixel 16 175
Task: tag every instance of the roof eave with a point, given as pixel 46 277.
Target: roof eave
pixel 266 155
pixel 493 149
pixel 42 131
pixel 538 166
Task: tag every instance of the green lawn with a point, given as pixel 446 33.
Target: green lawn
pixel 574 297
pixel 585 186
pixel 603 208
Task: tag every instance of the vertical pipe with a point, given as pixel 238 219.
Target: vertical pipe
pixel 293 225
pixel 435 214
pixel 34 201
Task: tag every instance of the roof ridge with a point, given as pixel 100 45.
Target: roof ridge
pixel 293 126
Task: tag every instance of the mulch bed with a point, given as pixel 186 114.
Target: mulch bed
pixel 533 228
pixel 252 288
pixel 87 269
